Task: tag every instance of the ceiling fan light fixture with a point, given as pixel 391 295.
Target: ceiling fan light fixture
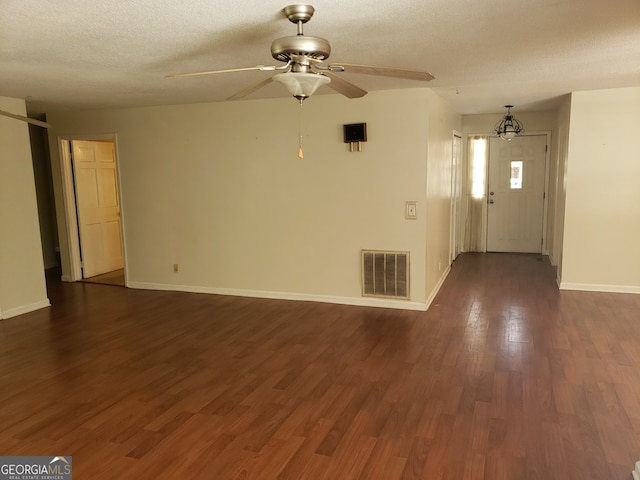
pixel 303 56
pixel 509 127
pixel 301 84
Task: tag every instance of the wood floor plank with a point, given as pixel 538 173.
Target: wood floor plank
pixel 505 377
pixel 299 462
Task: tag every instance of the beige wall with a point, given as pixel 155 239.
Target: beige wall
pixel 559 180
pixel 22 279
pixel 218 189
pixel 602 215
pixel 442 123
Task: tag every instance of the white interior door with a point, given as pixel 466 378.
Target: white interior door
pixel 516 194
pixel 98 207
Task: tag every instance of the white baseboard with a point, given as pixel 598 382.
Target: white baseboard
pixel 438 286
pixel 356 301
pixel 13 312
pixel 592 287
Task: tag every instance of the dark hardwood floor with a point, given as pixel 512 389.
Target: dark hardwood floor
pixel 504 377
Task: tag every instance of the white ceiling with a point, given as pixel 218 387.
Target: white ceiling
pixel 79 54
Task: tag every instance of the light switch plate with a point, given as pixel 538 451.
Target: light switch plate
pixel 410 210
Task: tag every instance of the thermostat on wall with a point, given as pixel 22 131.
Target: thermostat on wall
pixel 355 134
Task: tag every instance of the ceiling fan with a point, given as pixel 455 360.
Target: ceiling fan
pixel 304 70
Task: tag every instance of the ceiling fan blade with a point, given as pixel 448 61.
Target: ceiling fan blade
pixel 227 70
pixel 347 89
pixel 32 121
pixel 250 89
pixel 385 71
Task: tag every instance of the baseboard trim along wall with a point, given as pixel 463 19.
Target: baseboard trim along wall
pixel 438 286
pixel 355 301
pixel 14 312
pixel 590 287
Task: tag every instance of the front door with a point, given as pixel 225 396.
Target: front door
pixel 99 225
pixel 516 194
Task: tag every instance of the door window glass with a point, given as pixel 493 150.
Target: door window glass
pixel 478 172
pixel 516 175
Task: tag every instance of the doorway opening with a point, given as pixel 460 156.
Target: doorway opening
pixel 456 197
pixel 507 202
pixel 93 210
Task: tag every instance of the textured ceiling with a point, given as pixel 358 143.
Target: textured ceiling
pixel 79 54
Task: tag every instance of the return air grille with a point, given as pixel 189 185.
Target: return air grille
pixel 385 274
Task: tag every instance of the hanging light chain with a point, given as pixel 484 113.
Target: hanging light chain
pixel 300 152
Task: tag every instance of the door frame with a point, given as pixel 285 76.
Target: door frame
pixel 545 202
pixel 70 207
pixel 545 207
pixel 456 197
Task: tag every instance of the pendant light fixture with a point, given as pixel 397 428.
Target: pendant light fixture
pixel 301 84
pixel 509 127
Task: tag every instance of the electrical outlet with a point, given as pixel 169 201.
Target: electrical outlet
pixel 175 268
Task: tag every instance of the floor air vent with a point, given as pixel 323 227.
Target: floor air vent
pixel 385 274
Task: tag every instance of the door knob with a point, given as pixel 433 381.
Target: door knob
pixel 491 201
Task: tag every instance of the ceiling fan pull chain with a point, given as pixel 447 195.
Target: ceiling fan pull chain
pixel 300 153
